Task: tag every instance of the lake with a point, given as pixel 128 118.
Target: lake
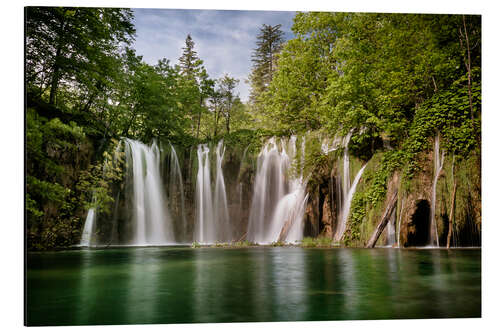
pixel 197 285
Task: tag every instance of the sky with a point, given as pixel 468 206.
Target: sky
pixel 224 39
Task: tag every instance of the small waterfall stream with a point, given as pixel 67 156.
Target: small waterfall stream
pixel 88 228
pixel 346 206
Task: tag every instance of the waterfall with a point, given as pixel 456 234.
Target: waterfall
pixel 438 166
pixel 176 194
pixel 278 200
pixel 88 228
pixel 212 214
pixel 391 229
pixel 204 215
pixel 150 211
pixel 221 213
pixel 347 205
pixel 151 218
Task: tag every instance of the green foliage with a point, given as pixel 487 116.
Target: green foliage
pixel 96 183
pixel 196 245
pixel 244 243
pixel 52 149
pixel 316 242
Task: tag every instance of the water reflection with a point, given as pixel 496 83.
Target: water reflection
pixel 288 284
pixel 183 285
pixel 144 268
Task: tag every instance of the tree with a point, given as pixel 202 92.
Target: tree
pixel 189 62
pixel 74 45
pixel 197 79
pixel 226 88
pixel 269 43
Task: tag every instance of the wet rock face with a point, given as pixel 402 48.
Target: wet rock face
pixel 321 211
pixel 327 220
pixel 311 218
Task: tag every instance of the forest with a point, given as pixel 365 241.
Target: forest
pixel 405 89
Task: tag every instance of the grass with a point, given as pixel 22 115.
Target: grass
pixel 317 242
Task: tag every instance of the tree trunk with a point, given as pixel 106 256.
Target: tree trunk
pixel 467 62
pixel 284 230
pixel 216 113
pixel 56 68
pixel 199 119
pixel 55 79
pixel 383 222
pixel 452 212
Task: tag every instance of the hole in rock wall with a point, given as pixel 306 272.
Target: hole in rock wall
pixel 418 228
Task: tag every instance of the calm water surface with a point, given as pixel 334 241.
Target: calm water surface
pixel 185 285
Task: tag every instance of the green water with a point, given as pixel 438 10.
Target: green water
pixel 184 285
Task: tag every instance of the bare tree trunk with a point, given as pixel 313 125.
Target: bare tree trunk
pixel 383 222
pixel 452 211
pixel 216 113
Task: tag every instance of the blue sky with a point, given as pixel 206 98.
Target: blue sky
pixel 224 39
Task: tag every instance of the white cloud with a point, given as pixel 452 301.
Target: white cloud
pixel 223 39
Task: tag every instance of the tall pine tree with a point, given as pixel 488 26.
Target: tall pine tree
pixel 189 62
pixel 197 78
pixel 269 43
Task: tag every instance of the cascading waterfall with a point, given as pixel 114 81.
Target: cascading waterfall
pixel 438 166
pixel 176 193
pixel 212 214
pixel 221 213
pixel 205 228
pixel 152 221
pixel 157 212
pixel 278 200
